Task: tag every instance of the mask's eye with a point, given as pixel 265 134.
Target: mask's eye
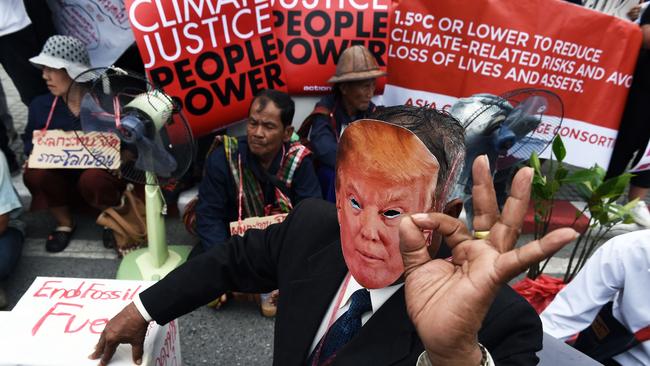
pixel 354 203
pixel 391 214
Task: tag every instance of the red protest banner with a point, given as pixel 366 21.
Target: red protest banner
pixel 312 34
pixel 212 57
pixel 440 51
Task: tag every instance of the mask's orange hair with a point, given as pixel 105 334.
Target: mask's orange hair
pixel 394 154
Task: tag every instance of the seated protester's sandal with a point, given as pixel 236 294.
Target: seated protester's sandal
pixel 59 239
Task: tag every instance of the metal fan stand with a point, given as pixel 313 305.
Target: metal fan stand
pixel 159 258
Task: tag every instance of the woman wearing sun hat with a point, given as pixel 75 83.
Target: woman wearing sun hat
pixel 62 60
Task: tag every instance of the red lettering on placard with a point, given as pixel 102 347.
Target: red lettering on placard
pixel 94 291
pixel 167 355
pixel 45 287
pixel 98 325
pixel 581 135
pixel 94 326
pixel 426 103
pixel 50 312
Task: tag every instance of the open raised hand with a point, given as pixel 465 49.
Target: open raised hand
pixel 447 300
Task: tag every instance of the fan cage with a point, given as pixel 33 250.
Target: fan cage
pixel 112 89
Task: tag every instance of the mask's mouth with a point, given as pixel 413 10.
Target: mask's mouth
pixel 369 257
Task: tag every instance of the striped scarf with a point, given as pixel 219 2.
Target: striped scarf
pixel 253 196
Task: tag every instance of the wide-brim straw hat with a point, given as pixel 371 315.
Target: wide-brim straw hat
pixel 66 52
pixel 356 63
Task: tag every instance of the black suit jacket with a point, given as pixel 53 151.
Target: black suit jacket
pixel 303 258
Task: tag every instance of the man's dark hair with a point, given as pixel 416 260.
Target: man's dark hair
pixel 441 133
pixel 281 100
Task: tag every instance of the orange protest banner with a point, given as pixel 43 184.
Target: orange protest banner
pixel 211 57
pixel 313 34
pixel 440 51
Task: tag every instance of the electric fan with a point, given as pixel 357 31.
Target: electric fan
pixel 156 148
pixel 506 128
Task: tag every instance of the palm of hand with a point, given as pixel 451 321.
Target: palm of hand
pixel 443 296
pixel 447 300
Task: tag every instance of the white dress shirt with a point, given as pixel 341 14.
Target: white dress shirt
pixel 377 298
pixel 619 271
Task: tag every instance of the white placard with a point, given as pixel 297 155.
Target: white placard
pixel 58 322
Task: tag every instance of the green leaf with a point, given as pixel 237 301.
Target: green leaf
pixel 560 174
pixel 538 193
pixel 555 187
pixel 614 187
pixel 558 148
pixel 628 206
pixel 584 191
pixel 534 162
pixel 602 217
pixel 582 176
pixel 539 180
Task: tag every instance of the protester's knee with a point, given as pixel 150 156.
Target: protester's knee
pixel 37 177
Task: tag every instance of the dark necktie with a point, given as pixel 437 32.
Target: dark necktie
pixel 344 328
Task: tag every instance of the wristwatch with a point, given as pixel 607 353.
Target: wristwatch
pixel 486 358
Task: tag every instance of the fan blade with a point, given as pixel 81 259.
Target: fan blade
pixel 154 158
pixel 94 118
pixel 527 115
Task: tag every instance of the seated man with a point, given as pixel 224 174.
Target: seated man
pixel 618 271
pixel 276 174
pixel 256 175
pixel 11 229
pixel 348 296
pixel 354 86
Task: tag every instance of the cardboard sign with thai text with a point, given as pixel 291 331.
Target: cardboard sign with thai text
pixel 212 57
pixel 58 322
pixel 240 227
pixel 440 51
pixel 56 149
